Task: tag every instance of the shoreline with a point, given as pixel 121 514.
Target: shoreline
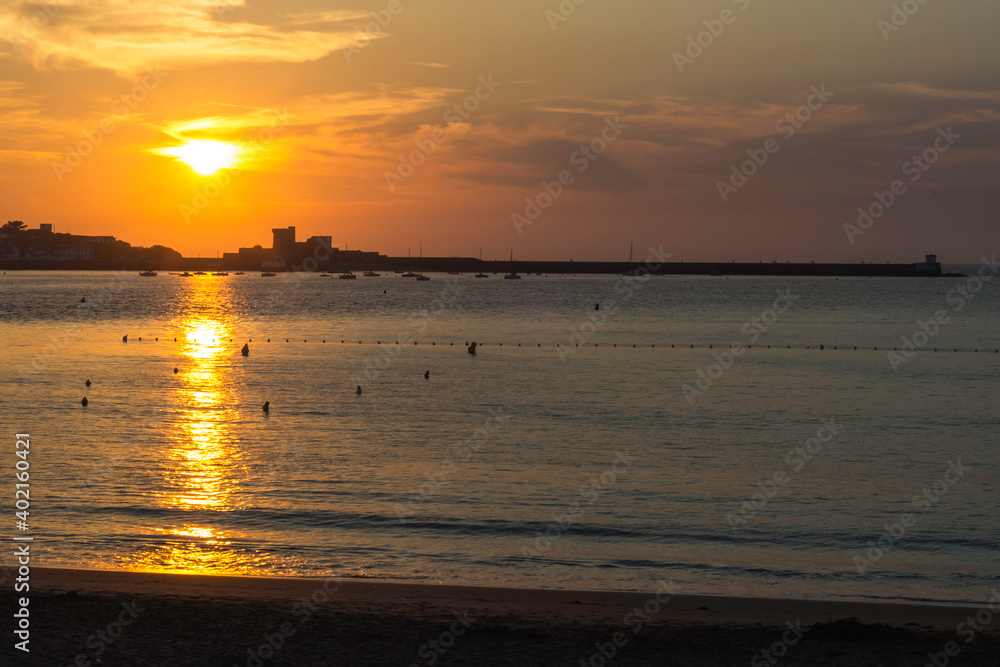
pixel 81 616
pixel 64 578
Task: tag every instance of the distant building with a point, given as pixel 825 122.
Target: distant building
pixel 929 265
pixel 284 241
pixel 74 252
pixel 45 227
pixel 9 254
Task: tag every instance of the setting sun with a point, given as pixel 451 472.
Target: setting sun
pixel 205 157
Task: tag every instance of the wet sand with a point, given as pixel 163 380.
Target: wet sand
pixel 90 617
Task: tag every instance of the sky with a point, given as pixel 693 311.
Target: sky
pixel 725 130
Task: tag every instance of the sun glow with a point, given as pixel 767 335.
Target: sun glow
pixel 204 156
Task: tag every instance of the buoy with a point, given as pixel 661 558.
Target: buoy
pixel 472 348
pixel 125 338
pixel 597 306
pixel 83 300
pixel 358 392
pixel 427 375
pixel 84 402
pixel 246 350
pixel 87 383
pixel 267 406
pixel 175 370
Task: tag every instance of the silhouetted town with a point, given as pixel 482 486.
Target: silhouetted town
pixel 44 248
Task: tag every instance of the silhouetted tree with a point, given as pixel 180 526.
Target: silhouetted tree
pixel 14 226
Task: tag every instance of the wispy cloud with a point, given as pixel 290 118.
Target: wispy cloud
pixel 127 37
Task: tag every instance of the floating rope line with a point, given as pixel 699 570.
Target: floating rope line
pixel 691 346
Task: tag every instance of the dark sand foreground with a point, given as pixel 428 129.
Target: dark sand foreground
pixel 87 617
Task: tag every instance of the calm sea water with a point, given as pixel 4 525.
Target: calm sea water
pixel 526 464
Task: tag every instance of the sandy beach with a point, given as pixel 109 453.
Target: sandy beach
pixel 91 617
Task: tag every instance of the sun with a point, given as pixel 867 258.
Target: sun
pixel 204 156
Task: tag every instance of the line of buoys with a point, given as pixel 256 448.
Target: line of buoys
pixel 709 346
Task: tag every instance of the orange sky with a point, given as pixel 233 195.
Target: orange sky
pixel 344 115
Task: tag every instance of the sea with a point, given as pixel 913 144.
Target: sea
pixel 830 438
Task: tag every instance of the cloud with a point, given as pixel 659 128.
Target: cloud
pixel 127 37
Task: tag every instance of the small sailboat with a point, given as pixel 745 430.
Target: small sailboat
pixel 347 275
pixel 371 274
pixel 267 274
pixel 220 273
pixel 148 274
pixel 481 275
pixel 512 274
pixel 184 275
pixel 422 277
pixel 409 274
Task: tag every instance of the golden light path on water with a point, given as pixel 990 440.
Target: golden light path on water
pixel 203 462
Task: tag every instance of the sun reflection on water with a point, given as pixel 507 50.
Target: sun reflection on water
pixel 204 461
